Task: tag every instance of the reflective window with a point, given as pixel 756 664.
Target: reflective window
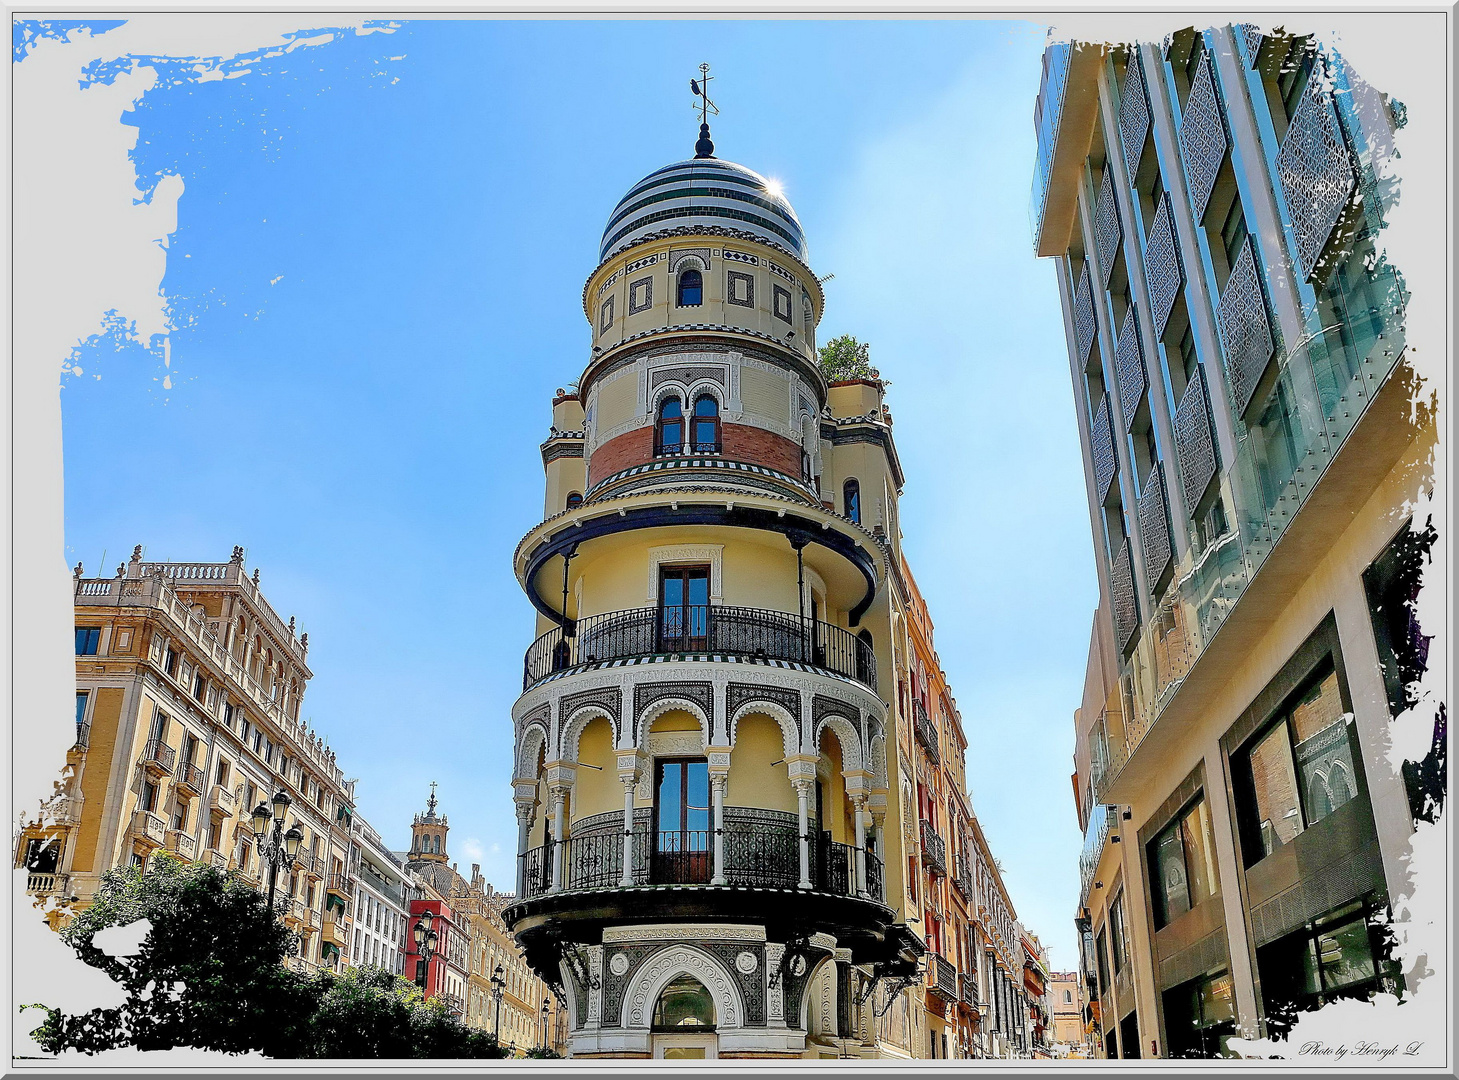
pixel 574 500
pixel 670 434
pixel 88 640
pixel 1183 870
pixel 691 288
pixel 684 1004
pixel 706 424
pixel 851 500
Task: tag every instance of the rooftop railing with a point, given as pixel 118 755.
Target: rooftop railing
pixel 701 629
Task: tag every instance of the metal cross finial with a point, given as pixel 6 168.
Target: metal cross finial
pixel 431 802
pixel 700 87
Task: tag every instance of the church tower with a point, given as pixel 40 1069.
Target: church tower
pixel 706 844
pixel 428 833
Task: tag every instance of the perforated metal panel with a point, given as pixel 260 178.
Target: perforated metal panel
pixel 1084 319
pixel 1316 172
pixel 1246 333
pixel 1193 441
pixel 1102 449
pixel 1202 137
pixel 1122 597
pixel 1154 527
pixel 1134 113
pixel 1163 270
pixel 1130 367
pixel 1106 225
pixel 1253 42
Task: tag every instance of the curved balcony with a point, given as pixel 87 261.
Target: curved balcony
pixel 755 633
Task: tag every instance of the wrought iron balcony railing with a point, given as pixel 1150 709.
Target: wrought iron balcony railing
pixel 925 731
pixel 83 736
pixel 758 851
pixel 158 755
pixel 188 776
pixel 968 986
pixel 934 850
pixel 701 628
pixel 941 977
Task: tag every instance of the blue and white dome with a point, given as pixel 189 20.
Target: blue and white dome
pixel 704 191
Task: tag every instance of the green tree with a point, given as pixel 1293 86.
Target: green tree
pixel 210 974
pixel 846 358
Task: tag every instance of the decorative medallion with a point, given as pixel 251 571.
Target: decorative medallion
pixel 797 966
pixel 746 962
pixel 619 964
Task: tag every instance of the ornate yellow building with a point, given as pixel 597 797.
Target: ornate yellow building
pixel 188 689
pixel 714 861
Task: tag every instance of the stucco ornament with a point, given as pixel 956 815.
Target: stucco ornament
pixel 619 964
pixel 746 962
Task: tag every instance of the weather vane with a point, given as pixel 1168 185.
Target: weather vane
pixel 705 108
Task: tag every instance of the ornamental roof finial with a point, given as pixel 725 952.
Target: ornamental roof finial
pixel 704 148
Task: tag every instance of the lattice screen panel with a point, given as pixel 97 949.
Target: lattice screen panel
pixel 1316 172
pixel 1246 333
pixel 1163 270
pixel 1193 441
pixel 1202 137
pixel 1130 367
pixel 1106 225
pixel 1134 123
pixel 1154 527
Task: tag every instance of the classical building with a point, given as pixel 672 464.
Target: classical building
pixel 188 689
pixel 381 886
pixel 721 852
pixel 1066 1006
pixel 476 967
pixel 1236 343
pixel 1035 994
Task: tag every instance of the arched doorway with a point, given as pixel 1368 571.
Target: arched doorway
pixel 683 1021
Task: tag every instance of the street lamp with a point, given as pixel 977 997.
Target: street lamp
pixel 498 984
pixel 425 944
pixel 275 847
pixel 544 1023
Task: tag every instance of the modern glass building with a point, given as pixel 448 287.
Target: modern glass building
pixel 1215 204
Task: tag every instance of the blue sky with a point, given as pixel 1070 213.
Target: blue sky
pixel 374 286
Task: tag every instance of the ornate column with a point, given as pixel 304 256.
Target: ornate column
pixel 775 986
pixel 858 802
pixel 628 771
pixel 718 782
pixel 803 790
pixel 526 803
pixel 595 988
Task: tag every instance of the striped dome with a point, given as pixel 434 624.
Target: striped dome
pixel 703 191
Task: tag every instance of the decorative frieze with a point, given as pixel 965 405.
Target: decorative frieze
pixel 1246 335
pixel 1202 137
pixel 1316 172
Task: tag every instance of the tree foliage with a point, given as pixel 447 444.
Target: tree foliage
pixel 846 358
pixel 210 974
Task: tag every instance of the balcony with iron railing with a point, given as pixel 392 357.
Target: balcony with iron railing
pixel 702 629
pixel 925 731
pixel 759 852
pixel 968 989
pixel 934 850
pixel 962 876
pixel 222 800
pixel 942 978
pixel 158 758
pixel 189 778
pixel 83 735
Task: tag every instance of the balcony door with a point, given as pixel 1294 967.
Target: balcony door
pixel 683 621
pixel 681 816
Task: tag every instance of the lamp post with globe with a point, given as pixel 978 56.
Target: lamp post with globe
pixel 275 846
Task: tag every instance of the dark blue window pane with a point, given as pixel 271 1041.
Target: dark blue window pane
pixel 697 810
pixel 670 787
pixel 88 640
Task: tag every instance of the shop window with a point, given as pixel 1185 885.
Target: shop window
pixel 1182 863
pixel 1199 1017
pixel 1341 955
pixel 1298 771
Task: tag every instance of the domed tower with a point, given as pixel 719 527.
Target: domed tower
pixel 428 833
pixel 706 843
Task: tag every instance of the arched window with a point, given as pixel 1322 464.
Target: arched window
pixel 684 1006
pixel 669 439
pixel 851 500
pixel 865 658
pixel 706 425
pixel 691 288
pixel 574 499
